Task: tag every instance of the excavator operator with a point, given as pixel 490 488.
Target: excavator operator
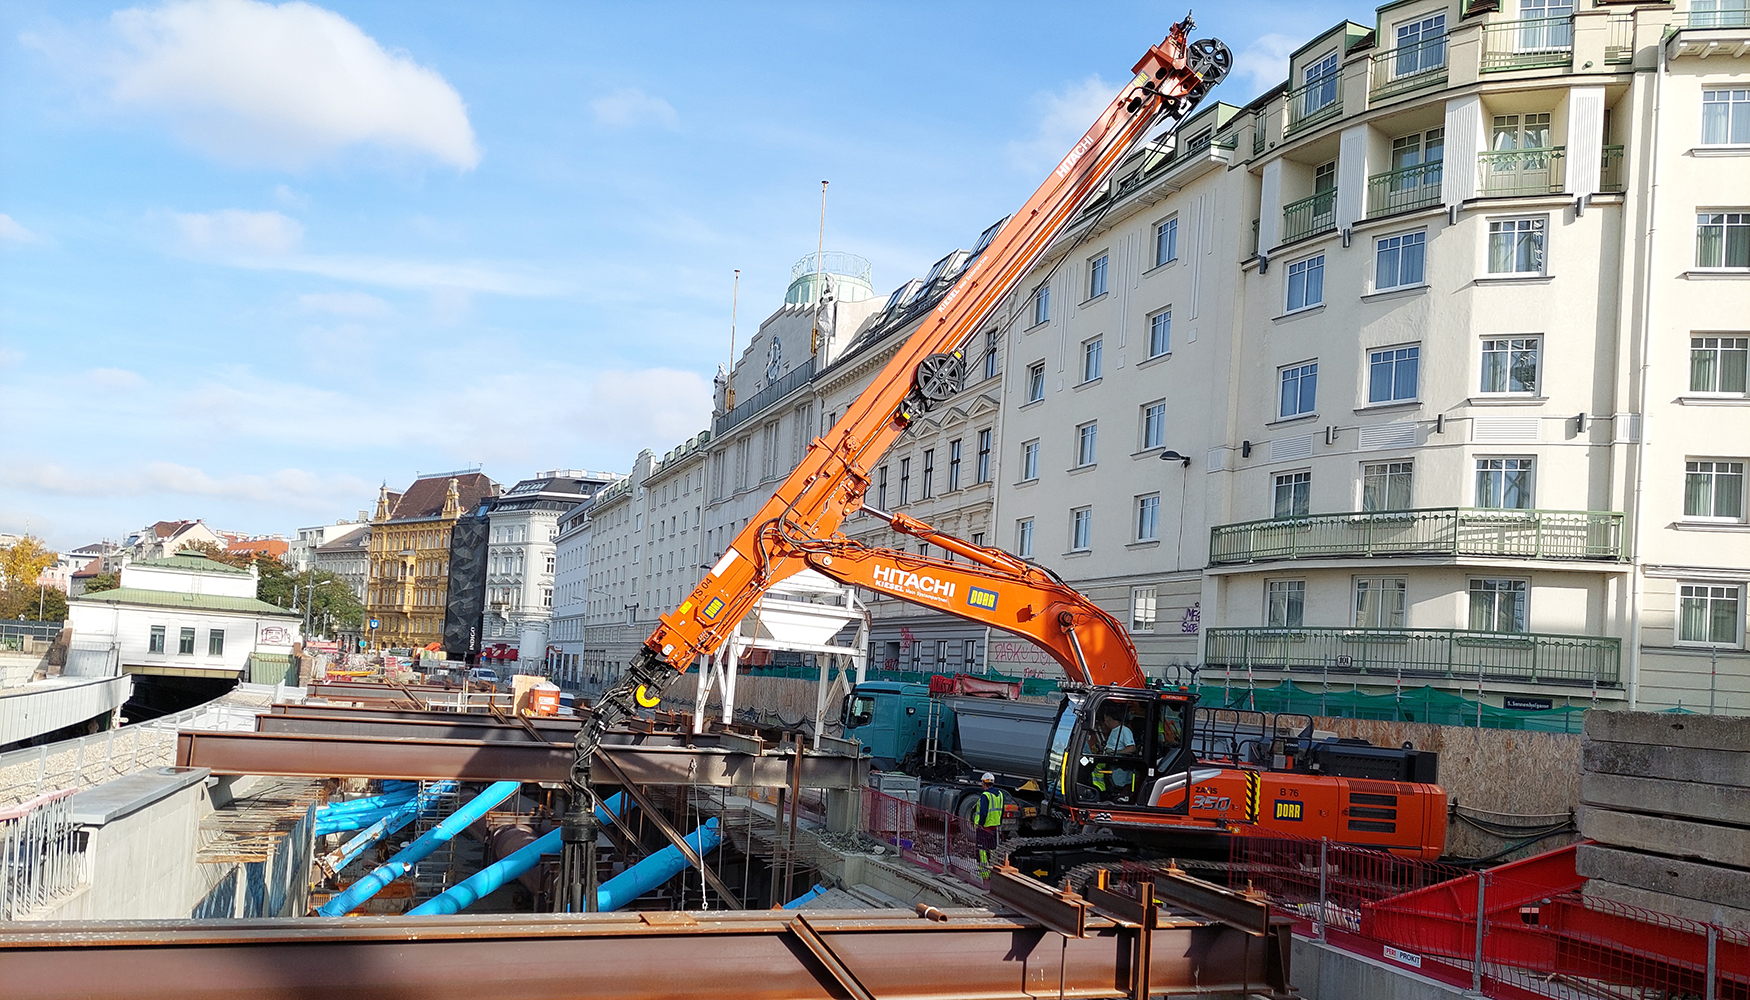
pixel 1114 738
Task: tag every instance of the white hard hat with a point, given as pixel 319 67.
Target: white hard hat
pixel 987 776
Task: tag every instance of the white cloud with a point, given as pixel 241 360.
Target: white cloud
pixel 12 232
pixel 235 230
pixel 278 85
pixel 114 379
pixel 1265 62
pixel 630 106
pixel 1063 117
pixel 470 276
pixel 290 197
pixel 344 303
pixel 295 487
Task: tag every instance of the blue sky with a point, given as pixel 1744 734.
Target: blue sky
pixel 257 259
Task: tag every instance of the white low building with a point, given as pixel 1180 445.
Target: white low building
pixel 183 616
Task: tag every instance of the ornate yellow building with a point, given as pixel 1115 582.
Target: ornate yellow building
pixel 410 557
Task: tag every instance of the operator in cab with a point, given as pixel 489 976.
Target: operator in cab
pixel 1113 737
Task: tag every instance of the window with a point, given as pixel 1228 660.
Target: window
pixel 1725 117
pixel 929 484
pixel 1148 517
pixel 1142 609
pixel 1029 461
pixel 1321 80
pixel 1024 538
pixel 1293 494
pixel 1081 529
pixel 156 643
pixel 881 487
pixel 1284 603
pixel 1041 304
pixel 1379 602
pixel 990 354
pixel 954 464
pixel 1497 605
pixel 743 462
pixel 984 455
pixel 1504 483
pixel 1717 364
pixel 769 450
pixel 1300 389
pixel 1097 277
pixel 1709 614
pixel 549 565
pixel 904 481
pixel 1510 365
pixel 185 642
pixel 1392 374
pixel 1154 425
pixel 969 654
pixel 1091 359
pixel 978 538
pixel 1713 490
pixel 1421 46
pixel 1516 246
pixel 1722 239
pixel 1386 486
pixel 1087 444
pixel 1397 260
pixel 1160 333
pixel 216 642
pixel 1306 283
pixel 1035 382
pixel 1167 241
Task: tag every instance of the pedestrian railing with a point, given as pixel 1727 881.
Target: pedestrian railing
pixel 1508 172
pixel 1309 216
pixel 1445 531
pixel 1396 653
pixel 42 853
pixel 1409 67
pixel 1619 40
pixel 1610 170
pixel 1736 16
pixel 1319 99
pixel 933 839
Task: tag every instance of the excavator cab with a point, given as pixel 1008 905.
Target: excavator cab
pixel 1122 747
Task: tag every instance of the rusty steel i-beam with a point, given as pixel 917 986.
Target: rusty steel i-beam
pixel 745 955
pixel 325 756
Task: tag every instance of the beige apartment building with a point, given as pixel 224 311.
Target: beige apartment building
pixel 1445 339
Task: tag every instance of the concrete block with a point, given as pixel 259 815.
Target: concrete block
pixel 1703 883
pixel 1728 845
pixel 1322 972
pixel 1682 799
pixel 1661 902
pixel 1641 760
pixel 1701 732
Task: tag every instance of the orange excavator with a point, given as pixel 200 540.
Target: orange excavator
pixel 798 528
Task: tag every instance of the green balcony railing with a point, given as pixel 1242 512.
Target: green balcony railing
pixel 1529 44
pixel 1458 654
pixel 1310 216
pixel 1738 17
pixel 1409 67
pixel 1619 40
pixel 1506 172
pixel 1610 170
pixel 1438 531
pixel 1404 189
pixel 1315 101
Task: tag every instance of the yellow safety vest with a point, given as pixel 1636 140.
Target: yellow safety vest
pixel 993 808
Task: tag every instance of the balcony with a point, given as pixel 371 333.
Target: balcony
pixel 756 404
pixel 1610 170
pixel 1434 531
pixel 1319 99
pixel 1504 173
pixel 1533 43
pixel 1403 190
pixel 1310 216
pixel 1735 18
pixel 1619 42
pixel 1388 654
pixel 1409 67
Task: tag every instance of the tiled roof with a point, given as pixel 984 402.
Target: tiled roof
pixel 425 498
pixel 356 540
pixel 92 568
pixel 174 599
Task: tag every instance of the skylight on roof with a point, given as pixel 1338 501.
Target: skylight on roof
pixel 985 237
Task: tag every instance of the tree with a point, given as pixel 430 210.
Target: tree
pixel 102 582
pixel 20 595
pixel 23 561
pixel 46 605
pixel 330 603
pixel 241 560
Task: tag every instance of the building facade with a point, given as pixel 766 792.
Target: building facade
pixel 348 558
pixel 1442 339
pixel 301 554
pixel 522 528
pixel 410 557
pixel 571 595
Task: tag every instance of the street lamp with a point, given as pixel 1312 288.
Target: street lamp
pixel 1172 456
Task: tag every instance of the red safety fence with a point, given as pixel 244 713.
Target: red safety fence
pixel 1538 935
pixel 939 841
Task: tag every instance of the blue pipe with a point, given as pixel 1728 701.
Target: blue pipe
pixel 615 893
pixel 383 801
pixel 355 894
pixel 359 819
pixel 805 897
pixel 388 824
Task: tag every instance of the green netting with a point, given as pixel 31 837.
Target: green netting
pixel 1420 704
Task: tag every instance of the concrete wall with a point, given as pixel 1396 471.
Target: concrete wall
pixel 142 831
pixel 1324 973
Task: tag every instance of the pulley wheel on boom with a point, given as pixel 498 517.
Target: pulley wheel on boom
pixel 939 378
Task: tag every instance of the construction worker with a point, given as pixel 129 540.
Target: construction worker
pixel 1113 738
pixel 987 817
